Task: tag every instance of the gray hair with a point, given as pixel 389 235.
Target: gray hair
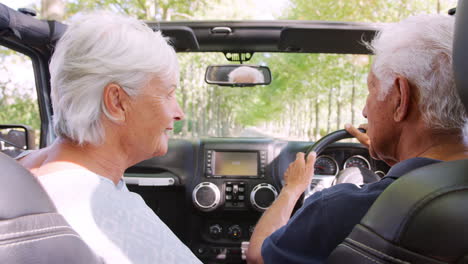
pixel 98 49
pixel 246 74
pixel 419 48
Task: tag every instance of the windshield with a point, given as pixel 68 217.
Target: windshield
pixel 310 95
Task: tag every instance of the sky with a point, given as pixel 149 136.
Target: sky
pixel 15 4
pixel 264 9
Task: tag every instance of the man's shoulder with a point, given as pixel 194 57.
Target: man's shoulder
pixel 405 166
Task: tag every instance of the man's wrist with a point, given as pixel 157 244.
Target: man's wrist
pixel 293 191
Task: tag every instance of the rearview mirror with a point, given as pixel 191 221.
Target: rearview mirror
pixel 238 75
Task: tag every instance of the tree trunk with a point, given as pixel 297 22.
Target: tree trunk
pixel 338 108
pixel 353 99
pixel 151 8
pixel 185 123
pixel 310 116
pixel 317 119
pixel 330 93
pixel 295 119
pixel 52 9
pixel 202 106
pixel 218 115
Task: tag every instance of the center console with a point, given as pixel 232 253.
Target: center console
pixel 235 186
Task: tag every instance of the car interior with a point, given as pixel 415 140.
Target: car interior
pixel 213 206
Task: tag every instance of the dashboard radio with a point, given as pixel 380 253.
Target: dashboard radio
pixel 234 179
pixel 235 164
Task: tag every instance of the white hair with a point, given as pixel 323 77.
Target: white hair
pixel 98 49
pixel 419 48
pixel 246 74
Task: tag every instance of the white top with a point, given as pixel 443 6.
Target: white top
pixel 114 222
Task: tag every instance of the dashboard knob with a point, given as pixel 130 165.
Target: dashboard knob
pixel 235 232
pixel 215 231
pixel 262 196
pixel 206 196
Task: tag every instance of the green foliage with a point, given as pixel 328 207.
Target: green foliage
pixel 142 9
pixel 364 10
pixel 310 94
pixel 22 111
pixel 17 101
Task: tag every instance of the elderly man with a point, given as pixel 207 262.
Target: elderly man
pixel 415 118
pixel 246 74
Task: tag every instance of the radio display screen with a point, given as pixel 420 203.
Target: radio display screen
pixel 235 163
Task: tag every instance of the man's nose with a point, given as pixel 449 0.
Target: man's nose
pixel 364 111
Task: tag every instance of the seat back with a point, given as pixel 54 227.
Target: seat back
pixel 421 218
pixel 31 230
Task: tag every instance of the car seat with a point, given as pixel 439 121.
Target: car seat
pixel 31 230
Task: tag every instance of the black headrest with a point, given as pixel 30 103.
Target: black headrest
pixel 20 192
pixel 460 51
pixel 425 211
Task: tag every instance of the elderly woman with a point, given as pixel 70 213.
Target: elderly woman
pixel 113 93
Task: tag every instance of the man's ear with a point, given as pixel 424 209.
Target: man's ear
pixel 402 99
pixel 114 105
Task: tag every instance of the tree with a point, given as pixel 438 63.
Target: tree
pixel 144 9
pixel 53 9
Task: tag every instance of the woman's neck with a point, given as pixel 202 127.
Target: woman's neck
pixel 105 160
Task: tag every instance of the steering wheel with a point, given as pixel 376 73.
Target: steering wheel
pixel 320 145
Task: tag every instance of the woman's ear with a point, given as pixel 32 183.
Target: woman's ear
pixel 113 102
pixel 402 99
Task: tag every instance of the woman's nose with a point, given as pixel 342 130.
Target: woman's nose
pixel 179 113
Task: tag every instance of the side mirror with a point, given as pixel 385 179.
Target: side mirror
pixel 238 75
pixel 14 139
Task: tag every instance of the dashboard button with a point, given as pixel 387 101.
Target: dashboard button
pixel 201 250
pixel 228 189
pixel 241 197
pixel 235 232
pixel 215 231
pixel 228 197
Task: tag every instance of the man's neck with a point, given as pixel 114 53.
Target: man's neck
pixel 427 143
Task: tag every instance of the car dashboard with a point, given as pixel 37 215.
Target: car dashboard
pixel 211 192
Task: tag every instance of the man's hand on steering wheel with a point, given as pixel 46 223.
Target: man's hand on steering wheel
pixel 299 173
pixel 363 138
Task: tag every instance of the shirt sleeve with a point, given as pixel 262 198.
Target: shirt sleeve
pixel 301 240
pixel 322 223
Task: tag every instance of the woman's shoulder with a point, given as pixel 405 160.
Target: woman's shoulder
pixel 31 158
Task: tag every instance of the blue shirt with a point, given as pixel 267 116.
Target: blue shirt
pixel 327 218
